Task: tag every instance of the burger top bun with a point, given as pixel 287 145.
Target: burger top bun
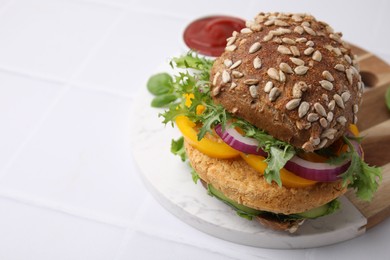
pixel 292 76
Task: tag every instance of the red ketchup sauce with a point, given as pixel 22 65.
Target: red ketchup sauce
pixel 208 35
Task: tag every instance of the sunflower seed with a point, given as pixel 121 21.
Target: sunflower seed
pixel 227 63
pixel 268 86
pixel 317 56
pixel 269 22
pixel 216 78
pixel 315 141
pixel 257 63
pixel 295 51
pixel 253 91
pixel 345 96
pixel 301 40
pixel 301 70
pixel 312 117
pixel 283 50
pixel 340 67
pixel 335 37
pixel 277 40
pixel 225 76
pixel 355 109
pixel 230 41
pixel 246 31
pixel 309 30
pixel 308 51
pixel 326 84
pixel 348 58
pixel 332 104
pixel 326 74
pixel 274 94
pixel 293 103
pixel 329 133
pixel 319 109
pixel 308 146
pixel 254 47
pixel 233 86
pixel 323 122
pixel 268 37
pixel 296 18
pixel 236 74
pixel 296 91
pixel 297 61
pixel 234 110
pixel 337 51
pixel 342 120
pixel 251 81
pixel 288 40
pixel 348 73
pixel 285 68
pixel 282 76
pixel 310 43
pixel 281 23
pixel 298 29
pixel 305 23
pixel 329 29
pixel 339 100
pixel 273 73
pixel 355 119
pixel 325 97
pixel 329 117
pixel 303 109
pixel 280 31
pixel 231 47
pixel 322 143
pixel 236 64
pixel 215 91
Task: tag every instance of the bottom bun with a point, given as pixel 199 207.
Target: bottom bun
pixel 241 183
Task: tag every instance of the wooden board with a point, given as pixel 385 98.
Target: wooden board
pixel 374 124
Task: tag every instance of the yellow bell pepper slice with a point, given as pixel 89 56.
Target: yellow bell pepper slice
pixel 207 146
pixel 288 178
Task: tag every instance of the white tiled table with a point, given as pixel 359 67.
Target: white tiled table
pixel 69 74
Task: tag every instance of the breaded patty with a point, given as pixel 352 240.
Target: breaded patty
pixel 241 183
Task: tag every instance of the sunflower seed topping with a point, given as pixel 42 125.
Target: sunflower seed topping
pixel 332 104
pixel 236 64
pixel 246 31
pixel 348 73
pixel 295 51
pixel 268 86
pixel 308 51
pixel 339 100
pixel 324 122
pixel 346 96
pixel 231 47
pixel 225 76
pixel 329 117
pixel 317 56
pixel 355 109
pixel 282 76
pixel 355 119
pixel 283 50
pixel 274 94
pixel 236 74
pixel 303 109
pixel 301 40
pixel 297 61
pixel 285 68
pixel 342 120
pixel 322 143
pixel 309 30
pixel 253 91
pixel 337 51
pixel 298 29
pixel 326 74
pixel 301 70
pixel 233 86
pixel 326 84
pixel 329 133
pixel 254 47
pixel 268 37
pixel 310 43
pixel 227 63
pixel 312 117
pixel 273 73
pixel 281 23
pixel 340 67
pixel 319 109
pixel 293 103
pixel 348 58
pixel 257 63
pixel 288 40
pixel 230 41
pixel 251 81
pixel 216 78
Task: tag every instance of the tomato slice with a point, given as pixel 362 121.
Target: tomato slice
pixel 207 146
pixel 288 178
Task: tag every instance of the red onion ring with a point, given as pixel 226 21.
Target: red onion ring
pixel 322 172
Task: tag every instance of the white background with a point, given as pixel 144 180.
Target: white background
pixel 69 74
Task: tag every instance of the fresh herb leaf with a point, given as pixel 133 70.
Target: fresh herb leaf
pixel 163 100
pixel 387 98
pixel 195 176
pixel 177 148
pixel 276 160
pixel 360 176
pixel 159 84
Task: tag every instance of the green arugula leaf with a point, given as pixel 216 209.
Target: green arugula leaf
pixel 177 148
pixel 159 84
pixel 276 160
pixel 387 98
pixel 360 176
pixel 163 100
